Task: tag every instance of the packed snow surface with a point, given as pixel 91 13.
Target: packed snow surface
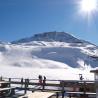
pixel 55 74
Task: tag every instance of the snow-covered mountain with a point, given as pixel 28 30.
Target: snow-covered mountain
pixel 49 50
pixel 50 37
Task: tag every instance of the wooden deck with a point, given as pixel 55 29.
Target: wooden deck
pixel 38 95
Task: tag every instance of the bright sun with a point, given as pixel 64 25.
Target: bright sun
pixel 88 6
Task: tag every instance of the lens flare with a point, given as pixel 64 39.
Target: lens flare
pixel 88 6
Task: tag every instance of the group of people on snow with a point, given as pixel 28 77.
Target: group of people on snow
pixel 42 80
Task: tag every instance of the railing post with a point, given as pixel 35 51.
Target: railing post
pixel 43 84
pixel 63 94
pixel 25 91
pixel 26 85
pixel 9 79
pixel 22 82
pixel 69 95
pixel 85 96
pixel 57 94
pixel 9 82
pixel 63 91
pixel 1 78
pixel 27 82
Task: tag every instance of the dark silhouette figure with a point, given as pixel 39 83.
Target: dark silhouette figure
pixel 40 79
pixel 44 82
pixel 81 77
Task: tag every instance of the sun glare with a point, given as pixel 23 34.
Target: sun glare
pixel 88 6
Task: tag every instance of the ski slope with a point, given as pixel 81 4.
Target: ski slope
pixel 53 57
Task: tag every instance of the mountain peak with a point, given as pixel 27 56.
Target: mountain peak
pixel 50 36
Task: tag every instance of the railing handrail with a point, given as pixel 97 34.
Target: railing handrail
pixel 89 81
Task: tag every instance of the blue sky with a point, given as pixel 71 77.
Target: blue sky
pixel 23 18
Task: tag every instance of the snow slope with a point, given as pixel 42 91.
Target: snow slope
pixel 49 55
pixel 47 52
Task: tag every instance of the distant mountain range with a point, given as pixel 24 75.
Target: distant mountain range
pixel 49 50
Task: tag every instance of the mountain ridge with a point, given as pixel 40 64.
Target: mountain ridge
pixel 50 37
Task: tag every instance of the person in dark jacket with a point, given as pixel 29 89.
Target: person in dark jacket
pixel 44 82
pixel 40 79
pixel 81 77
